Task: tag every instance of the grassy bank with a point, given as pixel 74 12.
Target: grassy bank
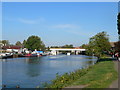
pixel 100 75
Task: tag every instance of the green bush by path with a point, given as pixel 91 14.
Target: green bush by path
pixel 100 75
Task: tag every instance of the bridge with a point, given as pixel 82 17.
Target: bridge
pixel 55 51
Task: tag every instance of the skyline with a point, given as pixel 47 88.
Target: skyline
pixel 59 23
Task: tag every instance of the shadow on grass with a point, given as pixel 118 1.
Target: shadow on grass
pixel 107 59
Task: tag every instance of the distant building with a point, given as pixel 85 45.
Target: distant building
pixel 1 44
pixel 12 48
pixel 112 44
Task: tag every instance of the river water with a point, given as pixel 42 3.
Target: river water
pixel 32 72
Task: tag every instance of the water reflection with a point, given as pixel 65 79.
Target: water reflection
pixel 33 66
pixel 33 60
pixel 25 71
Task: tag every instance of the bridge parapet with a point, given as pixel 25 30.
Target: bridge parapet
pixel 54 51
pixel 67 49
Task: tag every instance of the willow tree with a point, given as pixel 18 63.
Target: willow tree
pixel 98 44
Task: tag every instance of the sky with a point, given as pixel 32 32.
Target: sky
pixel 119 6
pixel 60 0
pixel 58 23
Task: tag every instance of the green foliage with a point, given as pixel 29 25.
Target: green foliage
pixel 117 44
pixel 66 79
pixel 67 46
pixel 4 51
pixel 98 44
pixel 34 42
pixel 24 43
pixel 118 23
pixel 18 43
pixel 84 46
pixel 5 42
pixel 48 48
pixel 54 47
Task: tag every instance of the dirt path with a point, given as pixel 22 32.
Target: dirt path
pixel 75 87
pixel 115 83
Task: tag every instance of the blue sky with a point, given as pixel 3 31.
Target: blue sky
pixel 59 23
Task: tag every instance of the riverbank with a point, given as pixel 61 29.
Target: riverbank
pixel 100 75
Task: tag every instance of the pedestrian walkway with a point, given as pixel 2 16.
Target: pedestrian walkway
pixel 115 83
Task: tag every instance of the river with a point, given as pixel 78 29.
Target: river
pixel 32 72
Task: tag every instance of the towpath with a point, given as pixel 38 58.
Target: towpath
pixel 116 82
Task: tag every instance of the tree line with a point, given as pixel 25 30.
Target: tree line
pixel 64 46
pixel 32 43
pixel 98 45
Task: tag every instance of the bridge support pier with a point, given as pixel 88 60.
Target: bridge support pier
pixel 53 52
pixel 76 52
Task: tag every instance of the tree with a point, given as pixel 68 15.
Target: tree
pixel 42 46
pixel 54 47
pixel 18 43
pixel 34 42
pixel 84 46
pixel 117 44
pixel 118 25
pixel 24 43
pixel 98 44
pixel 5 42
pixel 67 46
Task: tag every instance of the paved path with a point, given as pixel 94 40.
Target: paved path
pixel 115 83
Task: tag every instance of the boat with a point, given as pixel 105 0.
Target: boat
pixel 9 55
pixel 21 55
pixel 44 54
pixel 30 55
pixel 3 55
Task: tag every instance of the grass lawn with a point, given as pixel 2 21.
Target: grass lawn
pixel 100 75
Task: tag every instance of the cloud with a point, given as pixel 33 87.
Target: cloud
pixel 26 21
pixel 82 32
pixel 64 26
pixel 31 21
pixel 74 29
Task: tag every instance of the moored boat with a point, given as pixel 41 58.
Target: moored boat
pixel 30 55
pixel 3 55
